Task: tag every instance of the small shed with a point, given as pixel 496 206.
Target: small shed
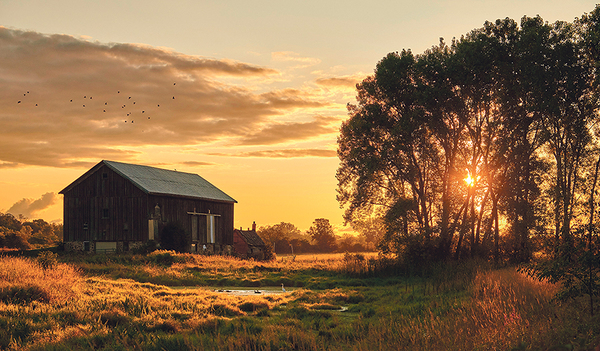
pixel 247 243
pixel 118 206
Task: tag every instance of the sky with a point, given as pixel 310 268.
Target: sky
pixel 248 94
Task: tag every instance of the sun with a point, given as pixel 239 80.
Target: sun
pixel 469 180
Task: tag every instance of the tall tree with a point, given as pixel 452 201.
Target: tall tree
pixel 323 235
pixel 484 107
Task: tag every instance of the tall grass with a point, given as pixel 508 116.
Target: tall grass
pixel 25 280
pixel 452 307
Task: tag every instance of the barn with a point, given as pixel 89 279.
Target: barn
pixel 119 206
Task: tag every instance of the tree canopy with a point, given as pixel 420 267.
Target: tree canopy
pixel 495 131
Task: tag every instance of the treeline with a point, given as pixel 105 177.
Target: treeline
pixel 486 146
pixel 285 238
pixel 22 234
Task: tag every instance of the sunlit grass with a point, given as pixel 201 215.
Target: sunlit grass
pixel 463 307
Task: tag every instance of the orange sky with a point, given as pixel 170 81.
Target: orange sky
pixel 248 95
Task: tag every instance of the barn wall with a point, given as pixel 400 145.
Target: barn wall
pixel 176 209
pixel 105 207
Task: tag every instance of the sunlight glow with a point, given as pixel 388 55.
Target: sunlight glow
pixel 469 180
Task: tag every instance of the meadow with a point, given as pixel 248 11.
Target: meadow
pixel 169 301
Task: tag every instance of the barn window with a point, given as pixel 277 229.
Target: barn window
pixel 104 175
pixel 105 213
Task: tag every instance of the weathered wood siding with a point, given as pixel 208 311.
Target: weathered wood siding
pixel 177 208
pixel 105 207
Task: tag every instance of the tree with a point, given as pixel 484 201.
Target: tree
pixel 323 235
pixel 281 235
pixel 370 230
pixel 569 118
pixel 492 106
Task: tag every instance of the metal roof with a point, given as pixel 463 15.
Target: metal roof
pixel 165 182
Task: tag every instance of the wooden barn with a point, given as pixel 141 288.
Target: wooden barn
pixel 119 206
pixel 247 243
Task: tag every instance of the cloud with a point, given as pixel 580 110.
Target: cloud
pixel 29 207
pixel 8 165
pixel 68 102
pixel 291 99
pixel 345 82
pixel 289 56
pixel 284 153
pixel 276 133
pixel 197 163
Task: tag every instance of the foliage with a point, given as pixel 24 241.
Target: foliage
pixel 323 235
pixel 269 255
pixel 174 237
pixel 508 107
pixel 24 235
pixel 47 259
pixel 285 238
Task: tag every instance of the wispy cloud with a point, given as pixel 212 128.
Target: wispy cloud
pixel 290 56
pixel 29 207
pixel 283 153
pixel 276 133
pixel 197 163
pixel 68 102
pixel 346 82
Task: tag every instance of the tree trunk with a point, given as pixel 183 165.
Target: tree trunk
pixel 590 235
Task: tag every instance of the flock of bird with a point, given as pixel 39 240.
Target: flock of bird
pixel 105 107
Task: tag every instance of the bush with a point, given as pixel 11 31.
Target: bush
pixel 47 259
pixel 269 255
pixel 173 237
pixel 145 248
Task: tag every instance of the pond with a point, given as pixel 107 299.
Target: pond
pixel 236 290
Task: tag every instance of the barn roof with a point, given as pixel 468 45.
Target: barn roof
pixel 157 181
pixel 251 237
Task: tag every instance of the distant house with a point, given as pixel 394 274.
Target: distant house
pixel 119 206
pixel 247 243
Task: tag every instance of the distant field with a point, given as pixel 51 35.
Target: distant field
pixel 168 301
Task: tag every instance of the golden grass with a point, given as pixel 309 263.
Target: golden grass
pixel 499 310
pixel 329 261
pixel 55 285
pixel 94 305
pixel 505 309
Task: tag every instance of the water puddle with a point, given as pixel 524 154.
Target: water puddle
pixel 237 290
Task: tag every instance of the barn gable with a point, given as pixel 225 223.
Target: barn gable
pixel 118 206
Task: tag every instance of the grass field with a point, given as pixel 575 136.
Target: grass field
pixel 157 302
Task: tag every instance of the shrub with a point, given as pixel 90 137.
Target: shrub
pixel 47 259
pixel 174 237
pixel 269 255
pixel 145 248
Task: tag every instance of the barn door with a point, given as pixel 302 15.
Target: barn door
pixel 194 220
pixel 210 229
